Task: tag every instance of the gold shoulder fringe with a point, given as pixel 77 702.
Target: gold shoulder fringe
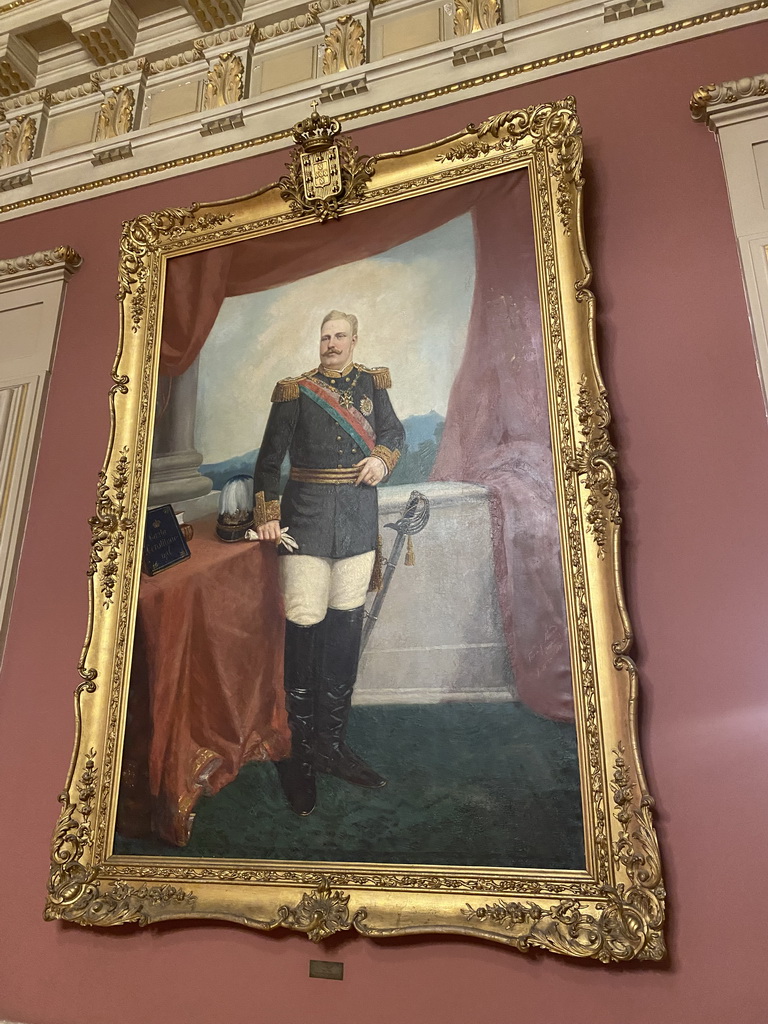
pixel 380 374
pixel 288 390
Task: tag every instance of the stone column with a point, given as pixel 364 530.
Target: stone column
pixel 175 461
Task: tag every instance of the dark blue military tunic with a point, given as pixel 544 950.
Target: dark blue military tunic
pixel 329 520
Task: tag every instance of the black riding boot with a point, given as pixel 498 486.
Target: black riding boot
pixel 338 672
pixel 297 773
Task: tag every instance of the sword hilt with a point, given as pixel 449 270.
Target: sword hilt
pixel 415 516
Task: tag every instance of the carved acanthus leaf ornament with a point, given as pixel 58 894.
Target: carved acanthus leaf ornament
pixel 475 15
pixel 595 460
pixel 318 914
pixel 74 893
pixel 344 46
pixel 553 128
pixel 18 142
pixel 225 82
pixel 116 114
pixel 109 526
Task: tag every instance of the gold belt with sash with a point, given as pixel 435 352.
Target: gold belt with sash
pixel 324 476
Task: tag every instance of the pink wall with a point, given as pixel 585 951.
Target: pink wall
pixel 689 419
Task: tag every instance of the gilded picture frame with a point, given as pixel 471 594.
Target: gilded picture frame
pixel 613 909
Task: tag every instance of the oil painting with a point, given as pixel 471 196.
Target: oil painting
pixel 368 378
pixel 377 673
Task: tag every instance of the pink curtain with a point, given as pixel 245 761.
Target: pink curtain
pixel 497 434
pixel 497 430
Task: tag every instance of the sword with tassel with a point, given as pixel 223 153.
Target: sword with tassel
pixel 413 520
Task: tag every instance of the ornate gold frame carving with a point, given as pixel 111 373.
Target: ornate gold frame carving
pixel 611 911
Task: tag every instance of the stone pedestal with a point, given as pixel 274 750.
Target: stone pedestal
pixel 439 636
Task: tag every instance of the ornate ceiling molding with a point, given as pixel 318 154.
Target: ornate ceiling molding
pixel 706 98
pixel 66 166
pixel 63 256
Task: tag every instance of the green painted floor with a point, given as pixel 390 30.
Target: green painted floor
pixel 482 784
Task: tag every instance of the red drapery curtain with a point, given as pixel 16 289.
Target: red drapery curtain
pixel 497 429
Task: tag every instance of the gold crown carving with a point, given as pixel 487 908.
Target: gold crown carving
pixel 317 131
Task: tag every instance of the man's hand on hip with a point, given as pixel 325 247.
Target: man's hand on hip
pixel 372 471
pixel 269 531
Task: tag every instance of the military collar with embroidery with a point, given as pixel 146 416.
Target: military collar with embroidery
pixel 335 374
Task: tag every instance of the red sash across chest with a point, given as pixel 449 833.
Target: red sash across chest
pixel 349 419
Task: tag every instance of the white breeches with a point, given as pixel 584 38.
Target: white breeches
pixel 312 585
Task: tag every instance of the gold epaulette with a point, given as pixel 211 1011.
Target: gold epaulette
pixel 380 374
pixel 288 390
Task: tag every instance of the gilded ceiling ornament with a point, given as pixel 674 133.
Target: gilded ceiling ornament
pixel 27 99
pixel 103 45
pixel 177 60
pixel 216 14
pixel 287 25
pixel 344 46
pixel 475 15
pixel 323 6
pixel 18 142
pixel 116 114
pixel 325 172
pixel 227 35
pixel 74 92
pixel 10 80
pixel 225 82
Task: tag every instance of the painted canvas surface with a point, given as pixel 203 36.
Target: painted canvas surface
pixel 458 714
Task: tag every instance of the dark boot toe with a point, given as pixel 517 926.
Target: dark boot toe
pixel 297 781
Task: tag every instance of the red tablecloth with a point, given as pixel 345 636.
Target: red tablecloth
pixel 206 682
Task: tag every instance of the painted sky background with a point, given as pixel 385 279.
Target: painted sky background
pixel 413 303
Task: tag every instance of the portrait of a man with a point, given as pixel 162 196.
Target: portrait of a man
pixel 284 704
pixel 338 427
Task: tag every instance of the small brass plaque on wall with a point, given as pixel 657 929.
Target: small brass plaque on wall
pixel 330 969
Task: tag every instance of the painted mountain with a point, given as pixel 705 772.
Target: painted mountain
pixel 422 438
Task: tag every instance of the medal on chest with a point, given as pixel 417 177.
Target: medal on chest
pixel 366 406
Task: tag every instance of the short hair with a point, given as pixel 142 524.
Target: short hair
pixel 336 314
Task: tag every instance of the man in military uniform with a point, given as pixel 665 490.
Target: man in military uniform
pixel 337 425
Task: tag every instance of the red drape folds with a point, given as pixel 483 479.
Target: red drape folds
pixel 209 670
pixel 198 284
pixel 496 431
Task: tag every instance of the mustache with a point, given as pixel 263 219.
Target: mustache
pixel 332 352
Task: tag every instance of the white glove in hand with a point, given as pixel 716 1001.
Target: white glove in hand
pixel 286 540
